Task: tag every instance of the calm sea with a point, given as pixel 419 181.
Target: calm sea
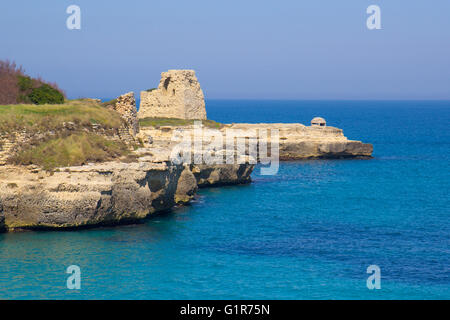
pixel 309 232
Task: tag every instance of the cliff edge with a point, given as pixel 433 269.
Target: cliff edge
pixel 82 164
pixel 86 163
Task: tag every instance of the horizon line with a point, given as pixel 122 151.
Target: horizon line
pixel 301 99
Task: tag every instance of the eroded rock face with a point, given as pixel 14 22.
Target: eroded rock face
pixel 178 95
pixel 2 220
pixel 221 175
pixel 107 193
pixel 186 187
pixel 296 141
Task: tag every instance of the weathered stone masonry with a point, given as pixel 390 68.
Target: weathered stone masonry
pixel 178 95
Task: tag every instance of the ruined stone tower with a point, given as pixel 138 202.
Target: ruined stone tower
pixel 178 96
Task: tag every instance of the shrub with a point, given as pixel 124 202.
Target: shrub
pixel 16 87
pixel 25 83
pixel 46 94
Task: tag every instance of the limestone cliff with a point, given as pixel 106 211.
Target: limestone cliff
pixel 89 195
pixel 103 194
pixel 106 193
pixel 222 175
pixel 296 141
pixel 130 188
pixel 148 180
pixel 178 95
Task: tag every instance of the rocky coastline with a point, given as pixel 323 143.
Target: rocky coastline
pixel 296 141
pixel 147 181
pixel 102 194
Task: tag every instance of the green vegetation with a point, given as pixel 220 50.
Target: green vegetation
pixel 109 103
pixel 57 132
pixel 25 83
pixel 157 122
pixel 53 117
pixel 75 149
pixel 46 94
pixel 71 141
pixel 150 90
pixel 17 87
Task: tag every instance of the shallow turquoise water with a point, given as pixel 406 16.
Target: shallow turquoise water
pixel 309 232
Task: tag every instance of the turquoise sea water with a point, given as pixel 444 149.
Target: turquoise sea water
pixel 308 232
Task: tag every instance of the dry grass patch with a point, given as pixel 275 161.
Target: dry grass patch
pixel 43 118
pixel 73 150
pixel 158 122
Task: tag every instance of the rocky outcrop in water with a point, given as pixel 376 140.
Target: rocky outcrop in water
pixel 296 141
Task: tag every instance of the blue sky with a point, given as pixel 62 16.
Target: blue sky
pixel 285 49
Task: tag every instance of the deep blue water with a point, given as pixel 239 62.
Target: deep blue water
pixel 308 232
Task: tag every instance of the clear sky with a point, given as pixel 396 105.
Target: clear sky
pixel 285 49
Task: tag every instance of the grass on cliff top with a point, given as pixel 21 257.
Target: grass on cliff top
pixel 158 122
pixel 49 117
pixel 73 150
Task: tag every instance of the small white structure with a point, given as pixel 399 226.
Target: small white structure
pixel 318 122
